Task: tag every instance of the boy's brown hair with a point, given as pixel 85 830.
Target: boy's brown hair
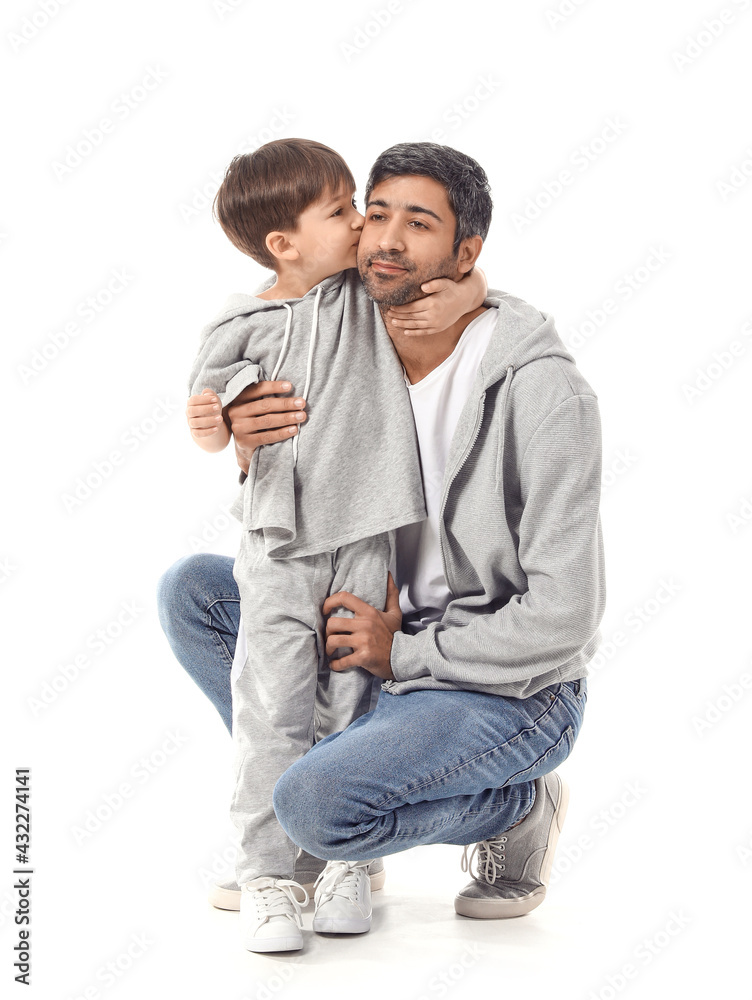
pixel 265 191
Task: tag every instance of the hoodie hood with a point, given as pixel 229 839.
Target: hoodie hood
pixel 242 304
pixel 522 334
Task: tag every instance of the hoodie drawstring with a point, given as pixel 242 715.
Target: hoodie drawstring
pixel 288 324
pixel 500 453
pixel 309 366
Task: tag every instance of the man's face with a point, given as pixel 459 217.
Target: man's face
pixel 407 239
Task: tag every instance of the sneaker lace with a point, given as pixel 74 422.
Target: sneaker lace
pixel 339 878
pixel 491 859
pixel 278 900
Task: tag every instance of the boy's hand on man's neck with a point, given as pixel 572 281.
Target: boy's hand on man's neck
pixel 421 353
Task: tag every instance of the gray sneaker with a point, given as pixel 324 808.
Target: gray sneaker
pixel 513 868
pixel 226 895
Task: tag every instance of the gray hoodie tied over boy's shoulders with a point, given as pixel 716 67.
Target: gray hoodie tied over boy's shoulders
pixel 353 469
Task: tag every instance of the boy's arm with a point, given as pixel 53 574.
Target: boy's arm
pixel 206 422
pixel 445 302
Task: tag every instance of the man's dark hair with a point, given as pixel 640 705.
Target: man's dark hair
pixel 463 177
pixel 265 191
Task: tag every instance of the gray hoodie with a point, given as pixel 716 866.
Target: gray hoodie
pixel 520 534
pixel 352 470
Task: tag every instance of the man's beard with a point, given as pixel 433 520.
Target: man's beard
pixel 408 289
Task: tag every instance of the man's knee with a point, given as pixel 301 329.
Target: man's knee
pixel 305 810
pixel 179 587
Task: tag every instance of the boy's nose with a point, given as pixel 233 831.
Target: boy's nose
pixel 358 221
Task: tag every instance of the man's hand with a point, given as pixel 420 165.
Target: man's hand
pixel 259 416
pixel 369 634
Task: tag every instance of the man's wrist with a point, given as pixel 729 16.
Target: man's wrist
pixel 406 657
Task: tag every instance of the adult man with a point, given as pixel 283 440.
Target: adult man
pixel 501 586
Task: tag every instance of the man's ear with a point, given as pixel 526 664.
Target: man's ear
pixel 280 247
pixel 468 253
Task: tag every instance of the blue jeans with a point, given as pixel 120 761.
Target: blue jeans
pixel 428 767
pixel 199 610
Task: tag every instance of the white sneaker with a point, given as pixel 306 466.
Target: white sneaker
pixel 226 895
pixel 343 898
pixel 270 917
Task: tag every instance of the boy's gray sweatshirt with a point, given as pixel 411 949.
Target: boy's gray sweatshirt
pixel 520 533
pixel 352 470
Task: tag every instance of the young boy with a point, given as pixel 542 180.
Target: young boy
pixel 319 511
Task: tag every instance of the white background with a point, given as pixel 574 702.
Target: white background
pixel 655 902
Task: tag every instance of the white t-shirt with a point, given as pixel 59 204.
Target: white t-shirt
pixel 437 402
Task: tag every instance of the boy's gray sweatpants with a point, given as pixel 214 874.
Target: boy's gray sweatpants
pixel 286 697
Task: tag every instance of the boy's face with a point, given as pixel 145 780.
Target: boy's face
pixel 328 233
pixel 408 239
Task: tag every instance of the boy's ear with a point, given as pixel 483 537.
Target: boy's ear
pixel 280 247
pixel 468 253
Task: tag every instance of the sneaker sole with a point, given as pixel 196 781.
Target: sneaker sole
pixel 274 944
pixel 324 925
pixel 496 909
pixel 229 899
